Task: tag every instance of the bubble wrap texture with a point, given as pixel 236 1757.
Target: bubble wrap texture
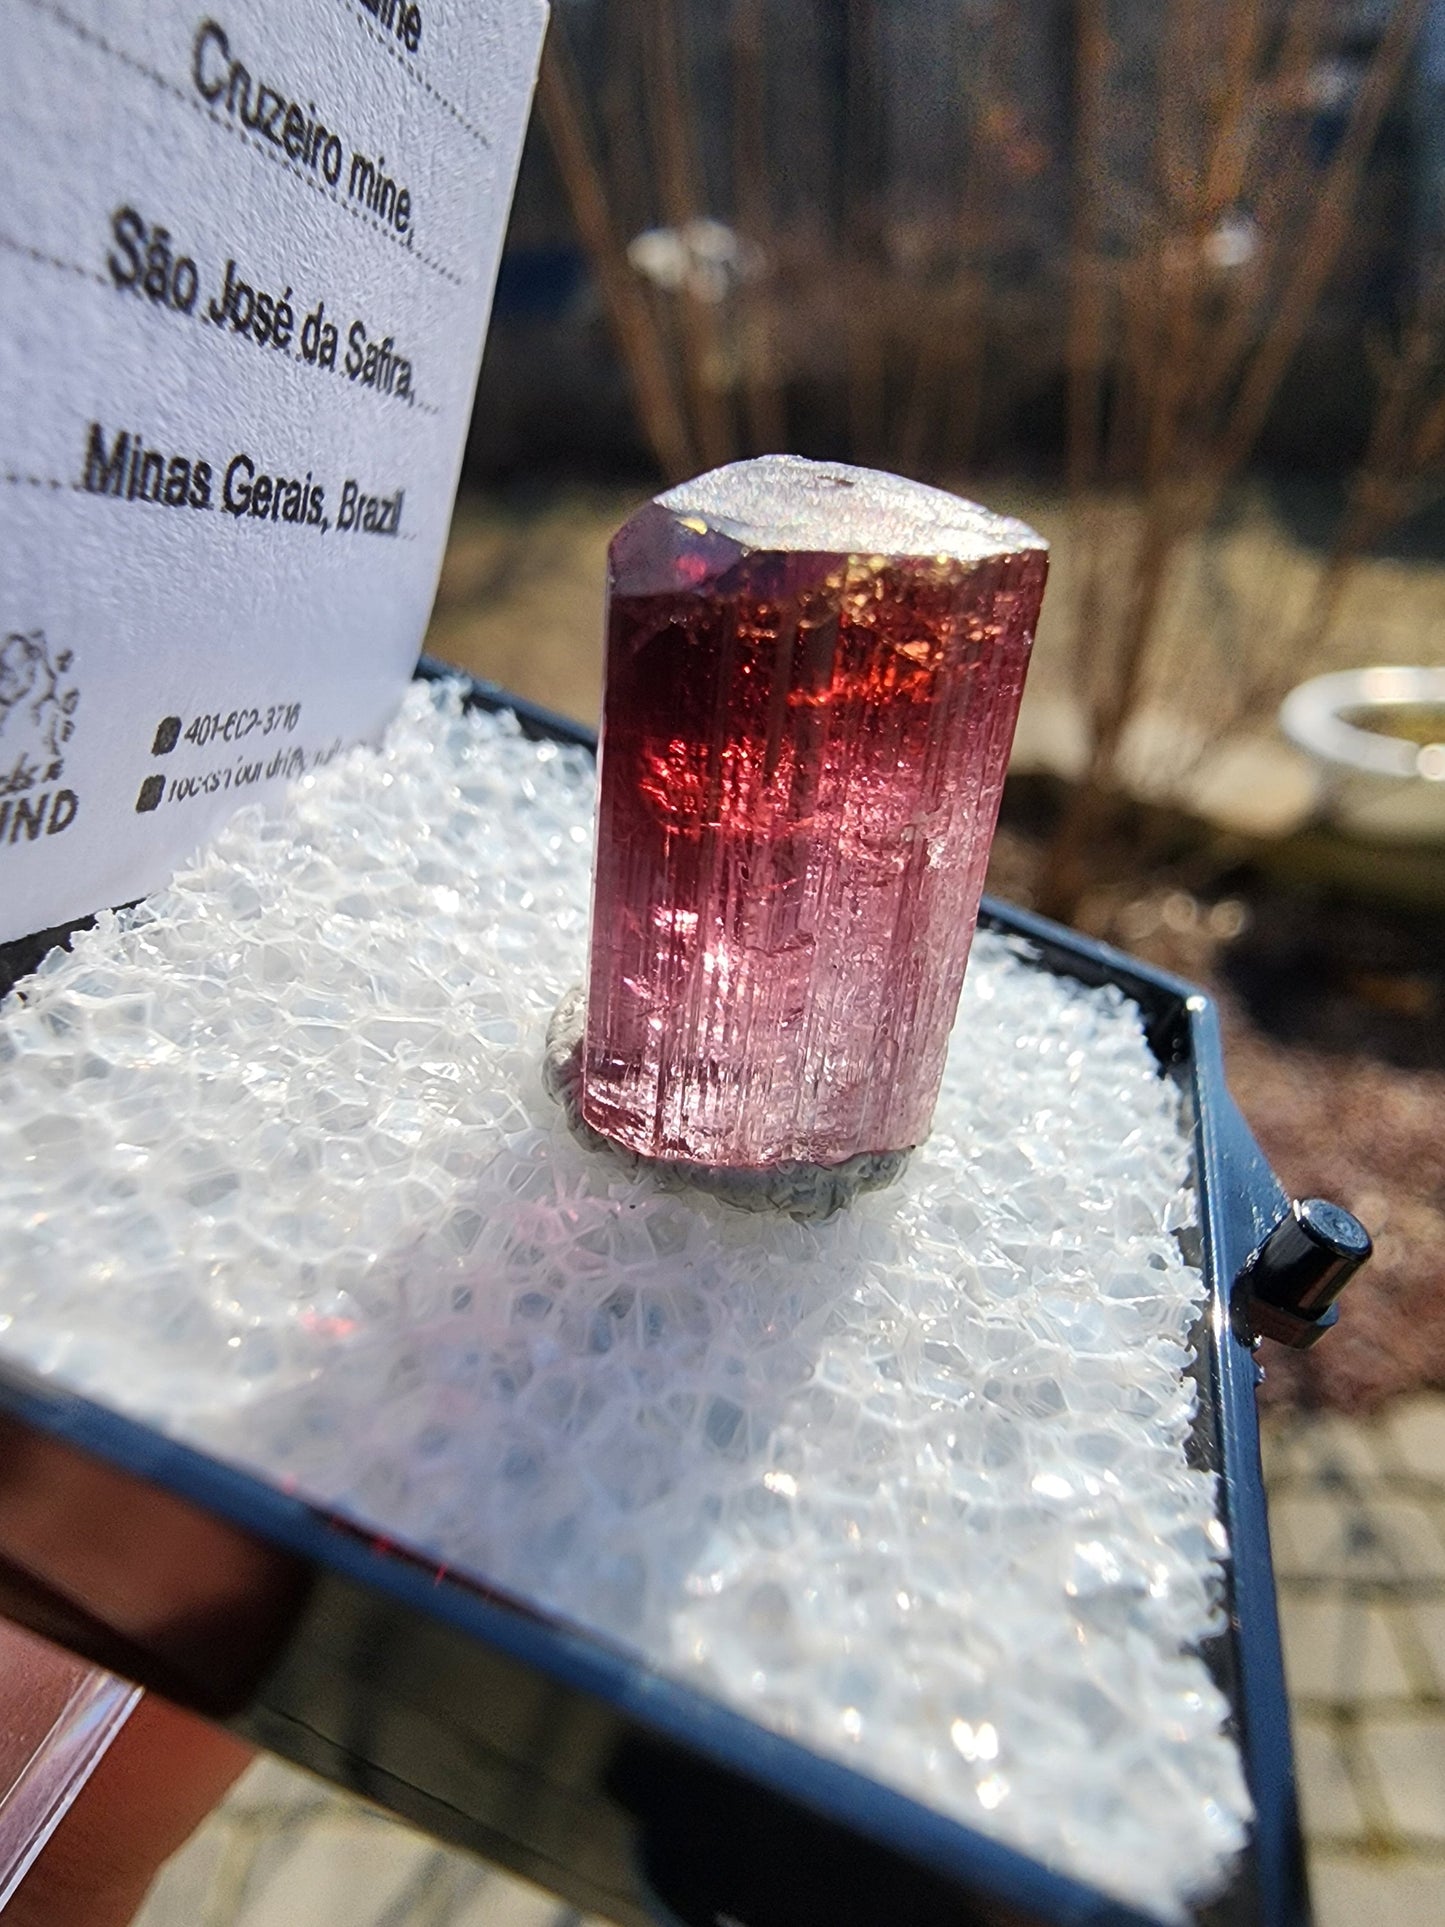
pixel 278 1175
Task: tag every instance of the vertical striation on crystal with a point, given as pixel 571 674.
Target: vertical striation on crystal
pixel 813 676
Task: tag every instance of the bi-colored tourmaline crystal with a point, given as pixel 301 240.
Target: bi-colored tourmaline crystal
pixel 813 675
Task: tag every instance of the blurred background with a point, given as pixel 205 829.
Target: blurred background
pixel 1167 279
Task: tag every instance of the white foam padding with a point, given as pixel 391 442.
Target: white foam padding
pixel 278 1175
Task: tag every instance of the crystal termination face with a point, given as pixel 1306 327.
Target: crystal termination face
pixel 813 676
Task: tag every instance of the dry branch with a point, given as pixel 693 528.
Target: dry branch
pixel 559 101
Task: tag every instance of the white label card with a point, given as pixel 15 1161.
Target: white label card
pixel 246 261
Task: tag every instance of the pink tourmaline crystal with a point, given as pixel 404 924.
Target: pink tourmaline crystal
pixel 813 675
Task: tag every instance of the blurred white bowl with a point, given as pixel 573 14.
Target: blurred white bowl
pixel 1379 737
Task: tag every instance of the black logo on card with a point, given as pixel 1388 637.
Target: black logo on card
pixel 39 695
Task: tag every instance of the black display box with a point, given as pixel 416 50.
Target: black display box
pixel 505 1732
